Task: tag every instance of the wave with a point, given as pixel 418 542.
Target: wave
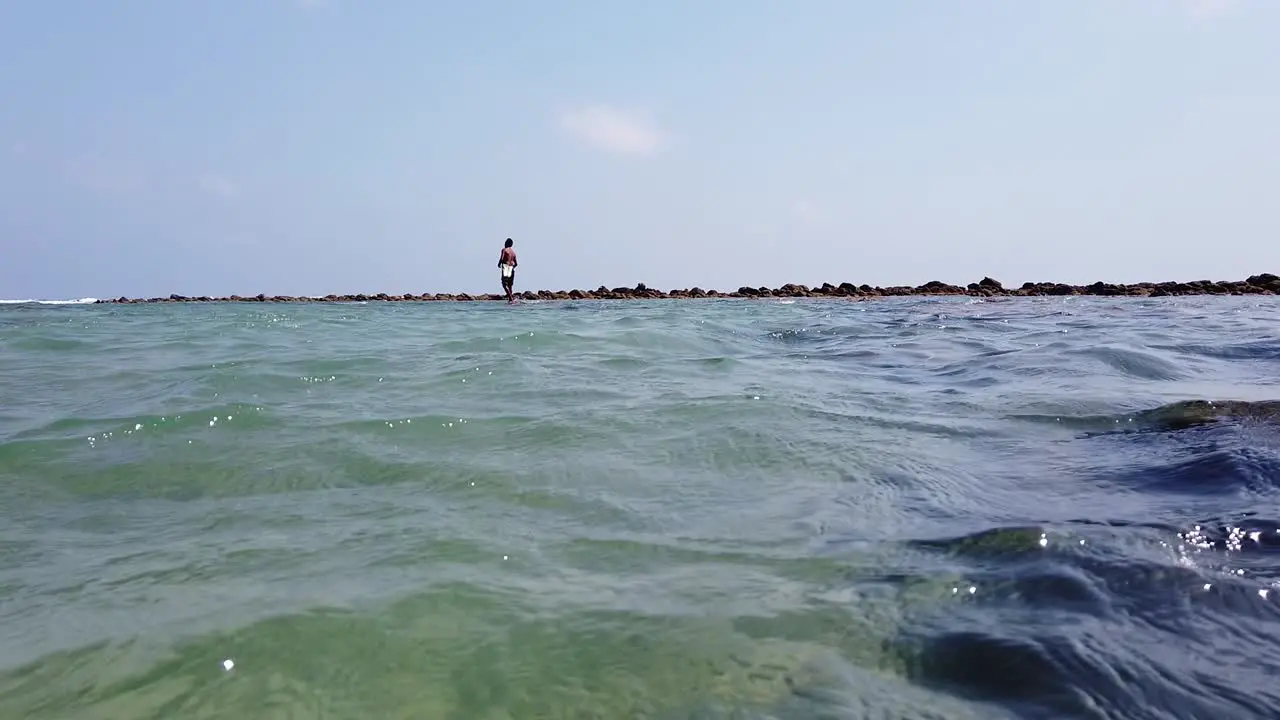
pixel 1060 624
pixel 77 301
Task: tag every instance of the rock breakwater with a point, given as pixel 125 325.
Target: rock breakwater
pixel 1263 284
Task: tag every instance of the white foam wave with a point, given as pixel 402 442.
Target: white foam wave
pixel 80 301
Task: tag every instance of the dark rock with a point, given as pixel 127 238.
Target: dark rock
pixel 1104 289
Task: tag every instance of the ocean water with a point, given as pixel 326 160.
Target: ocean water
pixel 903 508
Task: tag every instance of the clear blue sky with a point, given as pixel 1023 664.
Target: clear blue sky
pixel 316 146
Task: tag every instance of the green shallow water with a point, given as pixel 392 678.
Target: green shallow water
pixel 557 510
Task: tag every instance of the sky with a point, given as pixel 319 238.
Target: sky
pixel 307 147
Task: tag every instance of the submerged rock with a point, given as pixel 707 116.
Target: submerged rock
pixel 1189 413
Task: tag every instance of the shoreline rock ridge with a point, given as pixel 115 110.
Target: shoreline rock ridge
pixel 1261 284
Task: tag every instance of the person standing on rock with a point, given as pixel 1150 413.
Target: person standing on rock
pixel 507 265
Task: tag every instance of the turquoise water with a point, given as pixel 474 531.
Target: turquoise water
pixel 673 509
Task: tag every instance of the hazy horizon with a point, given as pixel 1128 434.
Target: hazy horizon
pixel 308 147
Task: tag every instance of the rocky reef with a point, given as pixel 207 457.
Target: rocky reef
pixel 1263 284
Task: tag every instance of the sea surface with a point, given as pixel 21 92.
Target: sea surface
pixel 901 508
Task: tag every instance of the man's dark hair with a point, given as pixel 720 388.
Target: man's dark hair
pixel 508 243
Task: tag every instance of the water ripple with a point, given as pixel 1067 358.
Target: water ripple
pixel 912 507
